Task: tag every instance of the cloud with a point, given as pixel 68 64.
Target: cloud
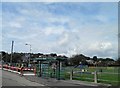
pixel 63 40
pixel 63 28
pixel 50 1
pixel 53 30
pixel 98 46
pixel 15 25
pixel 105 49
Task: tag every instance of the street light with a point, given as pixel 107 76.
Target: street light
pixel 30 52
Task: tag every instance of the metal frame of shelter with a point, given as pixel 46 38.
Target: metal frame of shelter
pixel 47 60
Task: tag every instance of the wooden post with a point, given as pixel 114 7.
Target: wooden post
pixel 58 73
pixel 71 75
pixel 95 76
pixel 40 72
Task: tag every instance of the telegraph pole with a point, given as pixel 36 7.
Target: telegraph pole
pixel 11 52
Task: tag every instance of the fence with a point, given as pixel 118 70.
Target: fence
pixel 107 75
pixel 84 76
pixel 97 75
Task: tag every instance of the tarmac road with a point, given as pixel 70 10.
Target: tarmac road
pixel 13 79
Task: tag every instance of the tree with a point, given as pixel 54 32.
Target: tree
pixel 76 59
pixel 65 63
pixel 95 58
pixel 16 57
pixel 118 62
pixel 53 54
pixel 109 59
pixel 2 55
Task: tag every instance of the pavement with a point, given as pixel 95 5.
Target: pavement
pixel 52 82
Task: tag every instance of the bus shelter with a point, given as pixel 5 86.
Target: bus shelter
pixel 49 67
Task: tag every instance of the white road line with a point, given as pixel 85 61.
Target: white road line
pixel 28 74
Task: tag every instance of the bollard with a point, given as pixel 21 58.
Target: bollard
pixel 71 75
pixel 35 71
pixel 95 76
pixel 18 69
pixel 21 71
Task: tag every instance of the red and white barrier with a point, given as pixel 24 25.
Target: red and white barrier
pixel 21 71
pixel 28 71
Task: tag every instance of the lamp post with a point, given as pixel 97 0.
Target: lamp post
pixel 30 52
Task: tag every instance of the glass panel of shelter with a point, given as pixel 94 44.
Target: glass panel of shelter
pixel 47 69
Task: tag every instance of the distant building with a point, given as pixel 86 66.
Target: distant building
pixel 90 61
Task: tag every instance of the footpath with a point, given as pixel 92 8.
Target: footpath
pixel 52 82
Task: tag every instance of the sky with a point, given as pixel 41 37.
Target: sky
pixel 65 28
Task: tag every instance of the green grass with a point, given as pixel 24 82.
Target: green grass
pixel 106 76
pixel 83 79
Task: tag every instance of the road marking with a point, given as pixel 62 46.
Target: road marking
pixel 28 74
